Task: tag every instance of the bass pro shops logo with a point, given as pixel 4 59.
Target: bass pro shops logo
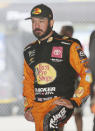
pixel 45 73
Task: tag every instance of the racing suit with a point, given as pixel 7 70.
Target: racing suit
pixel 50 70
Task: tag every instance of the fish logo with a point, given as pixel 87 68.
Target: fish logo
pixel 45 73
pixel 37 11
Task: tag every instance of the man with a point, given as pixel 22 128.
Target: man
pixel 68 30
pixel 92 67
pixel 50 66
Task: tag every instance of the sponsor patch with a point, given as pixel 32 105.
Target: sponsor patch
pixel 57 52
pixel 79 92
pixel 31 53
pixel 84 61
pixel 59 116
pixel 45 73
pixel 88 77
pixel 39 99
pixel 77 47
pixel 50 39
pixel 86 65
pixel 87 70
pixel 65 37
pixel 37 11
pixel 25 102
pixel 81 54
pixel 56 60
pixel 65 43
pixel 45 91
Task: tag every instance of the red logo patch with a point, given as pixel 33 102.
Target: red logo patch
pixel 57 52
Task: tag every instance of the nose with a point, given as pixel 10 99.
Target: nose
pixel 37 25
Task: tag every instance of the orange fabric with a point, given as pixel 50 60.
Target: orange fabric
pixel 93 108
pixel 28 89
pixel 84 86
pixel 39 111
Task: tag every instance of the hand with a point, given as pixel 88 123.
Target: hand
pixel 92 105
pixel 28 115
pixel 64 102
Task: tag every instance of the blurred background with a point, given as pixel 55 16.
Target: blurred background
pixel 16 33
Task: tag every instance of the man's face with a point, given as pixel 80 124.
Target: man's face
pixel 39 26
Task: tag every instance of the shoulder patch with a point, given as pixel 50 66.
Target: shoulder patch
pixel 81 54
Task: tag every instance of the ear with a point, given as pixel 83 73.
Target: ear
pixel 51 23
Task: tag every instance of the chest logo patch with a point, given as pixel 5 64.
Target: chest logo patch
pixel 57 52
pixel 45 73
pixel 79 92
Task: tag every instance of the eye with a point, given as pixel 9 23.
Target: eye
pixel 41 21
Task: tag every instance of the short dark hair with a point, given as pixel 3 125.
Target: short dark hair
pixel 67 30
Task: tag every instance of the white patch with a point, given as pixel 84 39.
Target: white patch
pixel 65 43
pixel 31 53
pixel 45 91
pixel 56 60
pixel 88 77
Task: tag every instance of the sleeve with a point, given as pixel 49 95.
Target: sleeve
pixel 28 87
pixel 79 62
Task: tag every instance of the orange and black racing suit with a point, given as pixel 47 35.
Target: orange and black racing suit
pixel 50 69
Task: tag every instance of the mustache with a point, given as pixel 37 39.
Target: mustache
pixel 37 29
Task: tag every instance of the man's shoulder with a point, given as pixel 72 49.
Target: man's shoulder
pixel 30 45
pixel 75 40
pixel 64 40
pixel 71 40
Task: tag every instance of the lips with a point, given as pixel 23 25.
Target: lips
pixel 38 30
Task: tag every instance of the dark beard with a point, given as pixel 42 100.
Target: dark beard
pixel 49 28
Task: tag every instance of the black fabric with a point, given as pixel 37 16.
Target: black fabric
pixel 74 103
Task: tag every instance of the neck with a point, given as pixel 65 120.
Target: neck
pixel 47 36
